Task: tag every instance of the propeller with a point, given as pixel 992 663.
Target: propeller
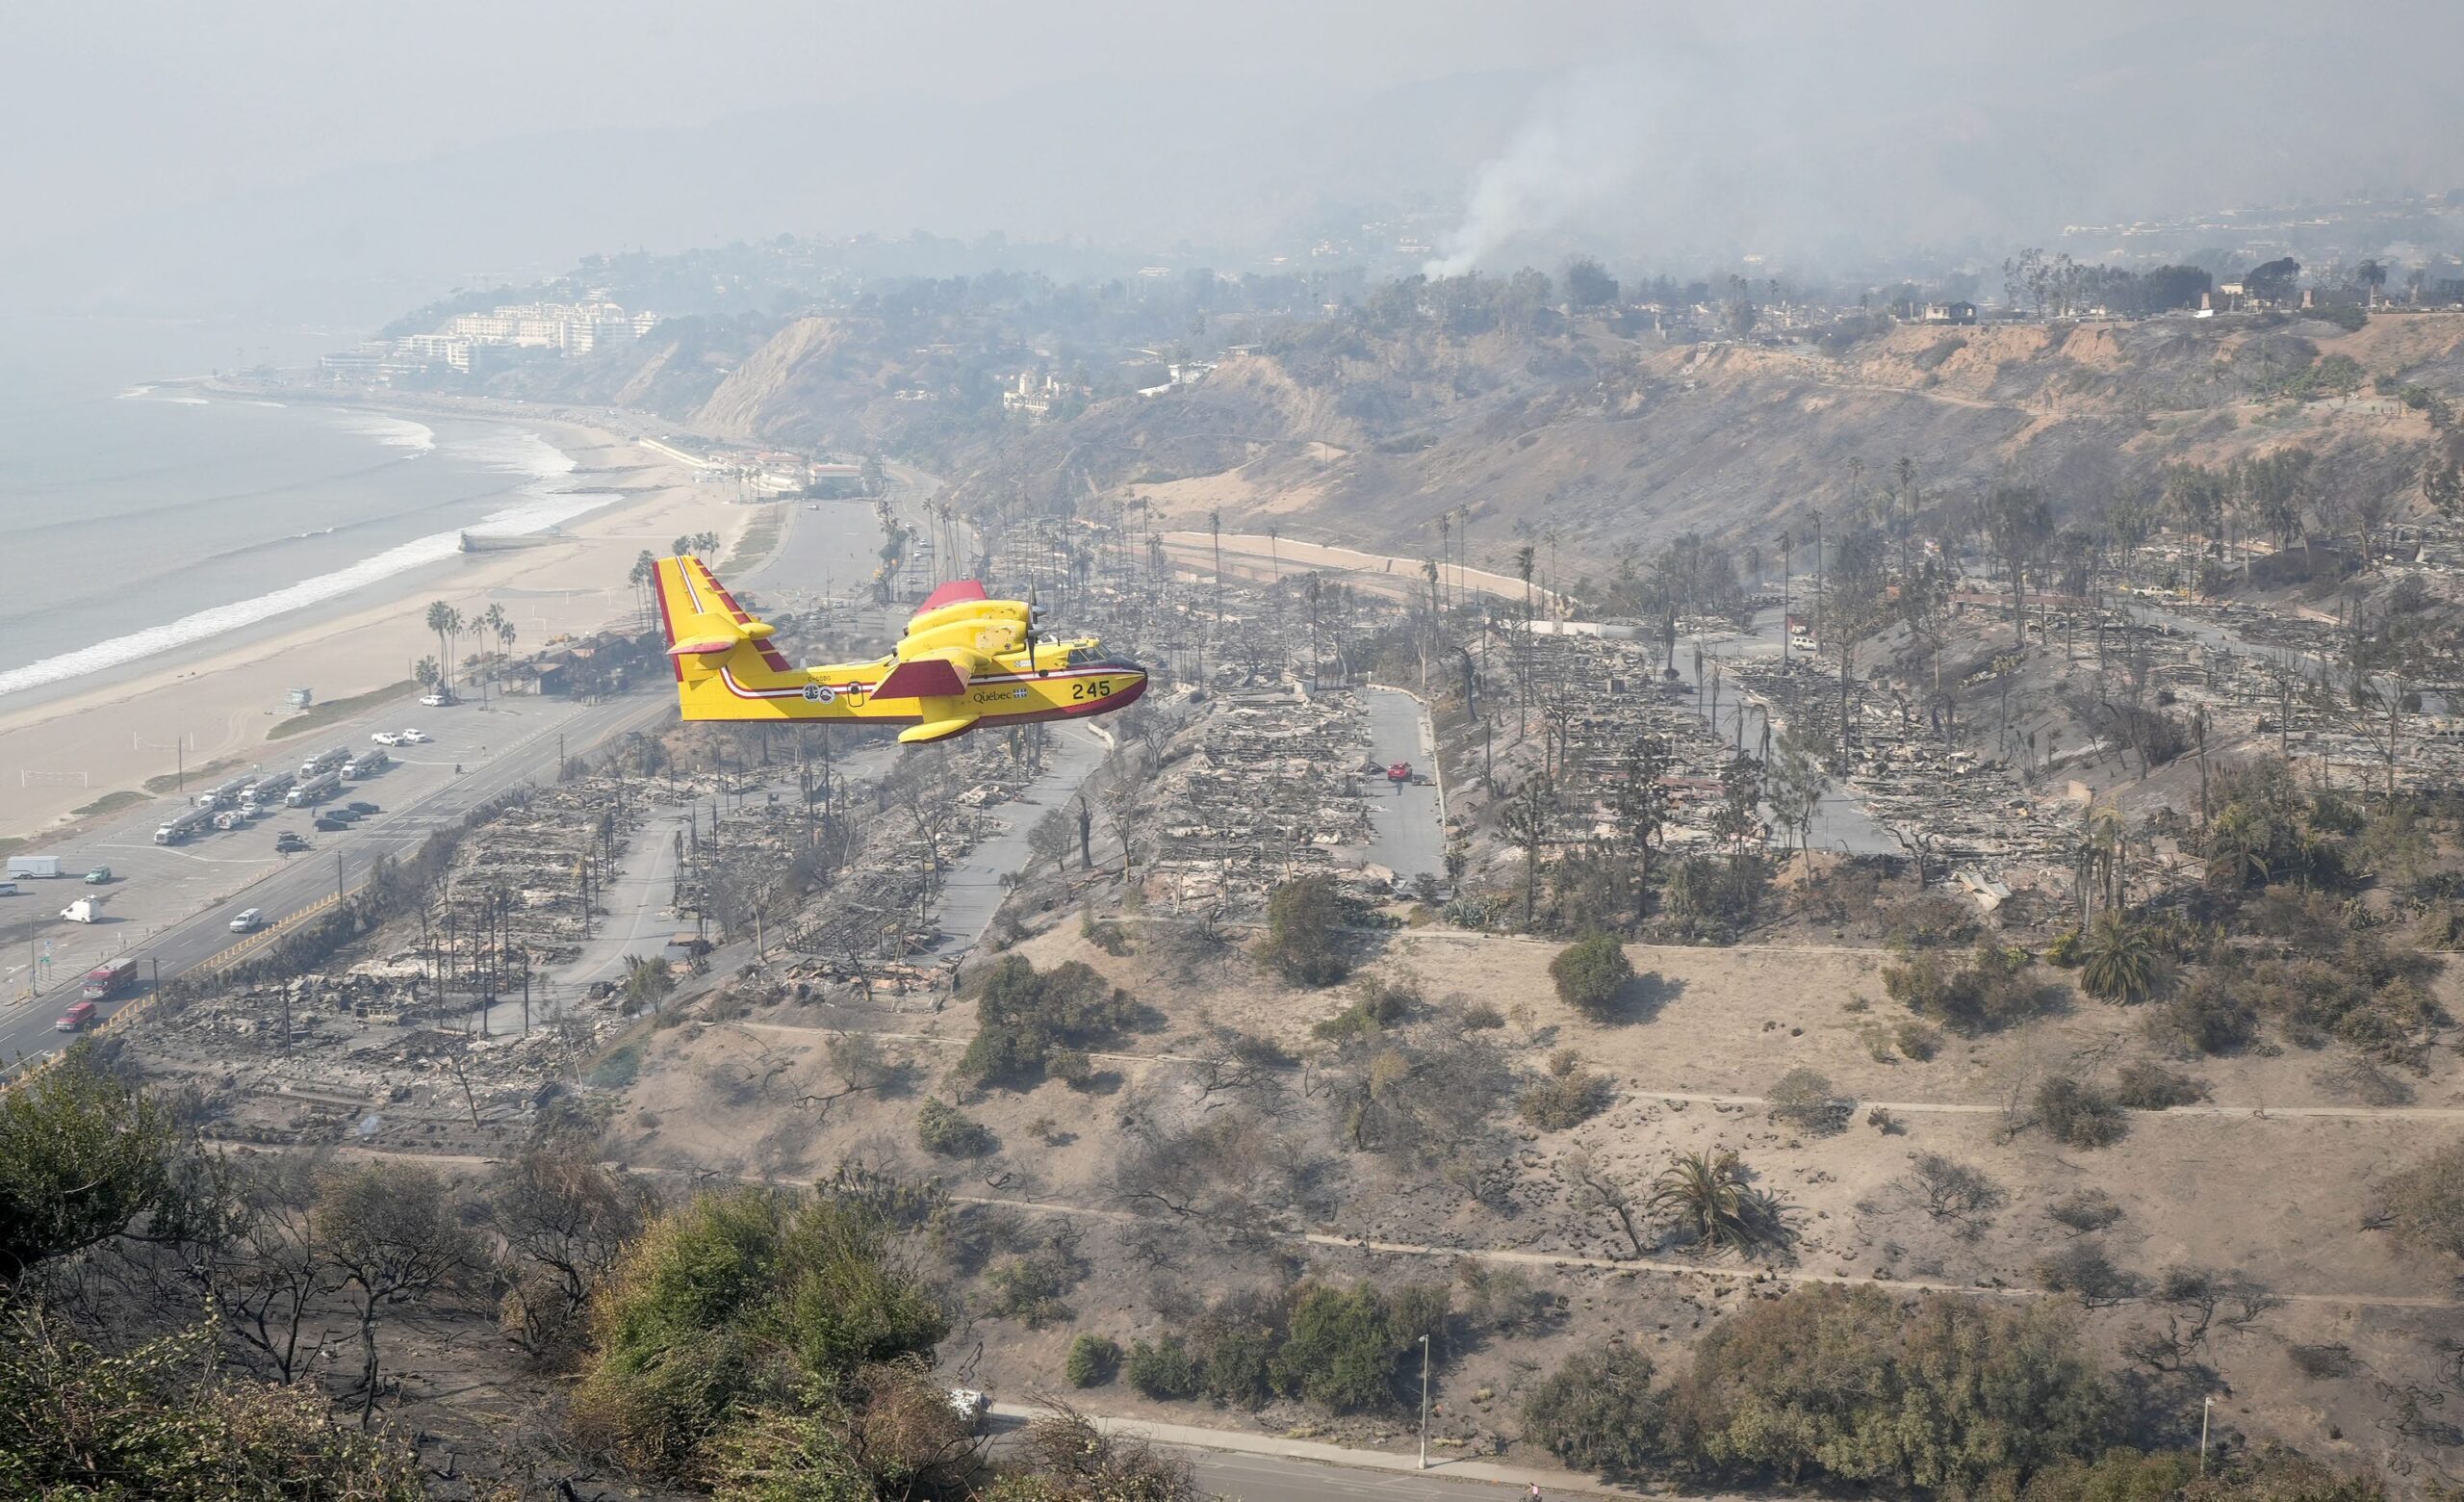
pixel 1033 610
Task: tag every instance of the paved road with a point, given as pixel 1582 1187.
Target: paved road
pixel 343 859
pixel 1258 1467
pixel 1840 822
pixel 829 548
pixel 1408 836
pixel 639 903
pixel 971 887
pixel 1273 1478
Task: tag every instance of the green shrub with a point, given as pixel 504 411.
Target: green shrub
pixel 1092 1362
pixel 1804 1100
pixel 945 1129
pixel 2206 1015
pixel 157 1422
pixel 1847 1384
pixel 1590 973
pixel 1564 1101
pixel 1304 920
pixel 742 1297
pixel 81 1154
pixel 1345 1344
pixel 2064 948
pixel 1916 1040
pixel 1598 1414
pixel 1992 988
pixel 1029 1287
pixel 1162 1370
pixel 1025 1022
pixel 1380 1004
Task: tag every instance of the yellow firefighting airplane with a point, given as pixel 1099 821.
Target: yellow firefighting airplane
pixel 966 660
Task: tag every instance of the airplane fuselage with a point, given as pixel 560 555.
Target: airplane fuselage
pixel 964 663
pixel 1056 688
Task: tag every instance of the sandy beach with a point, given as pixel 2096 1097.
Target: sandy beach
pixel 63 751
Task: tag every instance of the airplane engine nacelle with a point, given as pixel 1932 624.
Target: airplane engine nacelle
pixel 988 636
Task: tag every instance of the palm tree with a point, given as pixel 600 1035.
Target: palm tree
pixel 446 622
pixel 425 673
pixel 2118 960
pixel 1707 1193
pixel 645 572
pixel 491 622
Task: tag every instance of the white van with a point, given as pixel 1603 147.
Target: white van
pixel 247 921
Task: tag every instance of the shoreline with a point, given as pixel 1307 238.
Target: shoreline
pixel 111 733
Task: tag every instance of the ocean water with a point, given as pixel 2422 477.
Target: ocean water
pixel 138 518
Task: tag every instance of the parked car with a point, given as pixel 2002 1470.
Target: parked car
pixel 387 737
pixel 363 807
pixel 8 889
pixel 342 811
pixel 247 921
pixel 414 737
pixel 330 824
pixel 286 842
pixel 99 876
pixel 436 701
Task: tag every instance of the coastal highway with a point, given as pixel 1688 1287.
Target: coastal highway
pixel 340 860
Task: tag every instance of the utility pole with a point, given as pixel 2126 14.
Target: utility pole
pixel 2206 1406
pixel 1424 1408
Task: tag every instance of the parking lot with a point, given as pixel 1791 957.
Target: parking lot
pixel 198 884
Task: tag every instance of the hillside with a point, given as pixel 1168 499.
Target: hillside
pixel 1618 441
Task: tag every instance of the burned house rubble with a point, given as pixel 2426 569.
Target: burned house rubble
pixel 1273 786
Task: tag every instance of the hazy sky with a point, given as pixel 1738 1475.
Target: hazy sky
pixel 114 108
pixel 398 146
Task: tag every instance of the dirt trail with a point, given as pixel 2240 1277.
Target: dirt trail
pixel 2427 1113
pixel 1737 1273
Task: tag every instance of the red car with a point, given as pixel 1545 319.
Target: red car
pixel 1399 772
